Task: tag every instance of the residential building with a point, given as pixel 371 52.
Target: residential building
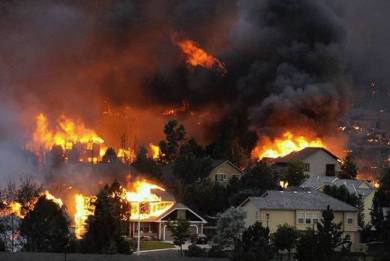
pixel 317 161
pixel 154 217
pixel 300 209
pixel 360 188
pixel 223 171
pixel 156 226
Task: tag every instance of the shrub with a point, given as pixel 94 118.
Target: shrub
pixel 195 251
pixel 216 251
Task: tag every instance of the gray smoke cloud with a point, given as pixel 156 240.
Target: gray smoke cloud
pixel 290 63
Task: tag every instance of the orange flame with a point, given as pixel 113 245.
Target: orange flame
pixel 196 56
pixel 139 195
pixel 49 196
pixel 84 208
pixel 154 151
pixel 66 134
pixel 15 208
pixel 144 203
pixel 284 145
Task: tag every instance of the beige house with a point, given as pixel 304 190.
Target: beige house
pixel 300 209
pixel 317 161
pixel 360 188
pixel 223 171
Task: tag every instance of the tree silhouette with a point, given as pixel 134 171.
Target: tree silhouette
pixel 46 227
pixel 105 227
pixel 109 156
pixel 349 169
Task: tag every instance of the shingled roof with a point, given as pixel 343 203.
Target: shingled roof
pixel 303 154
pixel 353 186
pixel 298 200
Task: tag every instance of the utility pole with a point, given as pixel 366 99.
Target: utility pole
pixel 139 229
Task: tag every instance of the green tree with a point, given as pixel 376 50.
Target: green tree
pixel 306 249
pixel 174 136
pixel 109 156
pixel 180 232
pixel 234 140
pixel 145 164
pixel 295 174
pixel 259 178
pixel 230 225
pixel 329 235
pixel 189 169
pixel 386 236
pixel 349 168
pixel 46 227
pixel 191 147
pixel 105 227
pixel 254 245
pixel 342 193
pixel 285 238
pixel 376 212
pixel 212 193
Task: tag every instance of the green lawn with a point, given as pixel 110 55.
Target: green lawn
pixel 150 245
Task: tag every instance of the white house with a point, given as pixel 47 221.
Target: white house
pixel 317 161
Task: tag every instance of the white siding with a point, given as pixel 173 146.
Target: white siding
pixel 318 161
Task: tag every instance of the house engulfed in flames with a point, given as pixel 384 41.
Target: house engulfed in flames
pixel 150 205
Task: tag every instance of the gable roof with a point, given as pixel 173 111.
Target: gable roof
pixel 303 154
pixel 177 206
pixel 298 200
pixel 355 187
pixel 217 163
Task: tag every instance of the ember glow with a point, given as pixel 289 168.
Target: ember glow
pixel 196 56
pixel 154 151
pixel 287 143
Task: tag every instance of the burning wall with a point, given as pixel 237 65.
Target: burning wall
pixel 141 194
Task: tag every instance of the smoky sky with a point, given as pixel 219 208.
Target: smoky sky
pixel 289 62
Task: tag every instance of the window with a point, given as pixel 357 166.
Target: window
pixel 330 170
pixel 301 218
pixel 349 219
pixel 306 167
pixel 220 177
pixel 308 218
pixel 315 218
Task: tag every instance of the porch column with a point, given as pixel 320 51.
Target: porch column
pixel 201 227
pixel 159 230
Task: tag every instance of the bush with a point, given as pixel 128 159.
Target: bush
pixel 216 251
pixel 195 251
pixel 125 247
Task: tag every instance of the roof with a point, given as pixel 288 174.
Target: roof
pixel 174 207
pixel 298 200
pixel 177 206
pixel 216 163
pixel 303 154
pixel 356 187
